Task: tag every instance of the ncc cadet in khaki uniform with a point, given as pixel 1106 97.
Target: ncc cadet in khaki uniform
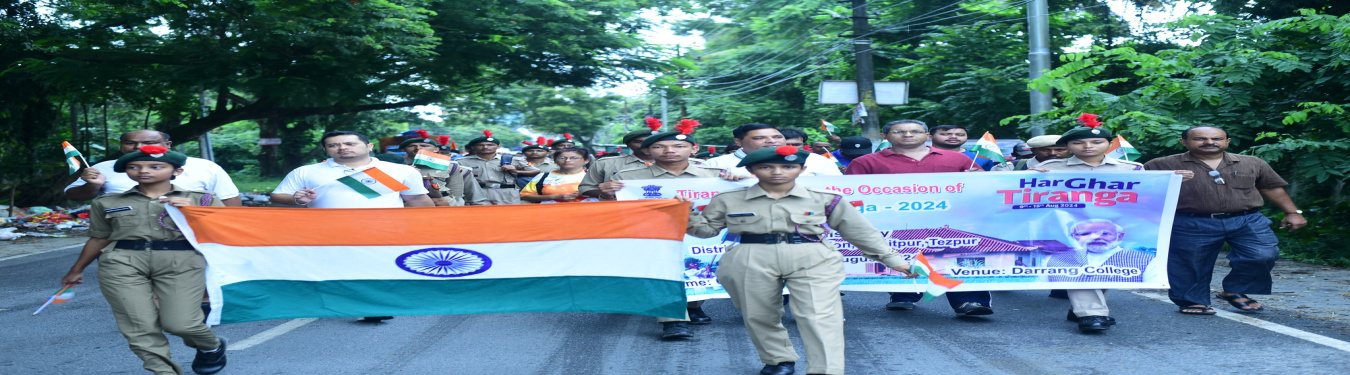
pixel 537 156
pixel 444 187
pixel 670 152
pixel 602 170
pixel 781 226
pixel 497 180
pixel 1088 144
pixel 150 260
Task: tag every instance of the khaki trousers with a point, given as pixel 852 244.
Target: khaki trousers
pixel 131 280
pixel 690 305
pixel 1088 302
pixel 755 274
pixel 502 196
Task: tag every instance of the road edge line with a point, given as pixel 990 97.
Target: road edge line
pixel 40 252
pixel 269 334
pixel 1267 325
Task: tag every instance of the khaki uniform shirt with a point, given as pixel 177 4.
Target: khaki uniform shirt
pixel 548 165
pixel 1244 178
pixel 458 188
pixel 1073 163
pixel 489 172
pixel 602 171
pixel 653 171
pixel 801 211
pixel 131 215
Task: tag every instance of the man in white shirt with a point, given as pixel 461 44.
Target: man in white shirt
pixel 754 136
pixel 198 174
pixel 316 185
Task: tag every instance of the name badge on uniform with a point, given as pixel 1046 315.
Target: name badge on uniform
pixel 743 214
pixel 119 209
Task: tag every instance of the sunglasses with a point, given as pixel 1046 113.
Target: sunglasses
pixel 1217 179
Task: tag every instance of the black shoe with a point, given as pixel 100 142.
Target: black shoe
pixel 1095 323
pixel 784 368
pixel 1074 318
pixel 209 363
pixel 675 330
pixel 974 308
pixel 1059 293
pixel 375 319
pixel 697 316
pixel 900 305
pixel 206 311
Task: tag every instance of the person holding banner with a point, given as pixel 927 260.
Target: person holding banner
pixel 670 153
pixel 1223 208
pixel 780 226
pixel 452 186
pixel 152 276
pixel 1043 148
pixel 1098 241
pixel 602 171
pixel 908 153
pixel 953 138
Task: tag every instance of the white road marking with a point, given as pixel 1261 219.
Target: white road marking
pixel 40 252
pixel 263 336
pixel 1274 327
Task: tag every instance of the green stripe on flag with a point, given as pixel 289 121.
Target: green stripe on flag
pixel 359 187
pixel 289 299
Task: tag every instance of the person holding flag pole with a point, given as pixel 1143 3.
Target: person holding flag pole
pixel 780 227
pixel 448 183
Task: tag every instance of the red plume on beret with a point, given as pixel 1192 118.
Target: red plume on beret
pixel 1089 120
pixel 541 140
pixel 487 133
pixel 654 124
pixel 712 150
pixel 785 150
pixel 422 133
pixel 443 139
pixel 687 126
pixel 528 143
pixel 550 143
pixel 154 150
pixel 568 136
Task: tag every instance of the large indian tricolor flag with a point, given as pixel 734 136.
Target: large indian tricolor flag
pixel 283 263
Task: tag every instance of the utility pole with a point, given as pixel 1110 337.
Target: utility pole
pixel 204 142
pixel 1038 27
pixel 664 118
pixel 862 51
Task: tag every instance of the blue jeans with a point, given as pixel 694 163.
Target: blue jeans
pixel 1196 242
pixel 953 298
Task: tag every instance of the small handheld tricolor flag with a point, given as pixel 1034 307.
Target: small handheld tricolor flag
pixel 937 283
pixel 987 148
pixel 373 183
pixel 61 296
pixel 73 157
pixel 432 160
pixel 827 126
pixel 1122 149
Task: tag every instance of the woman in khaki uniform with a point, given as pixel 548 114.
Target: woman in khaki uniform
pixel 151 261
pixel 780 225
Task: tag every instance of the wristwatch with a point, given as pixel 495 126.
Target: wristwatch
pixel 1300 212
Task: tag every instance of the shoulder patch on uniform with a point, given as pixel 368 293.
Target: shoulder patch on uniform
pixel 818 190
pixel 119 209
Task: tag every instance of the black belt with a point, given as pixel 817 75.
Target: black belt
pixel 154 245
pixel 1221 215
pixel 773 238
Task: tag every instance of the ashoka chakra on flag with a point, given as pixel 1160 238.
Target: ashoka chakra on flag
pixel 444 262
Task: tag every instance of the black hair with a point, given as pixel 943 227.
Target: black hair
pixel 740 131
pixel 338 133
pixel 887 128
pixel 161 134
pixel 793 133
pixel 939 128
pixel 1186 134
pixel 584 152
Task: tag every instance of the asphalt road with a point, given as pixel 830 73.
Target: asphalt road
pixel 1027 335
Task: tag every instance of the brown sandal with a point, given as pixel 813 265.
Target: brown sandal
pixel 1241 306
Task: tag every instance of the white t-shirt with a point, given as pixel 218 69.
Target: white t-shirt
pixel 816 165
pixel 322 178
pixel 198 174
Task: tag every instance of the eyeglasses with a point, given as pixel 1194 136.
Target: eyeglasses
pixel 569 158
pixel 1217 179
pixel 903 132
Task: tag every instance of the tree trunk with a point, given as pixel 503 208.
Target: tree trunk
pixel 267 157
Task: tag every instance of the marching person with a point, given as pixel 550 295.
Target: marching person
pixel 152 277
pixel 781 226
pixel 1224 207
pixel 560 185
pixel 1088 144
pixel 496 173
pixel 198 174
pixel 754 136
pixel 670 153
pixel 1043 149
pixel 454 186
pixel 602 171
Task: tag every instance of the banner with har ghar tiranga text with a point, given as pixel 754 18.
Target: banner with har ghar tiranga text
pixel 990 230
pixel 284 263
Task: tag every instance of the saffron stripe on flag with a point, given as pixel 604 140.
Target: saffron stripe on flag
pixel 651 219
pixel 385 180
pixel 432 160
